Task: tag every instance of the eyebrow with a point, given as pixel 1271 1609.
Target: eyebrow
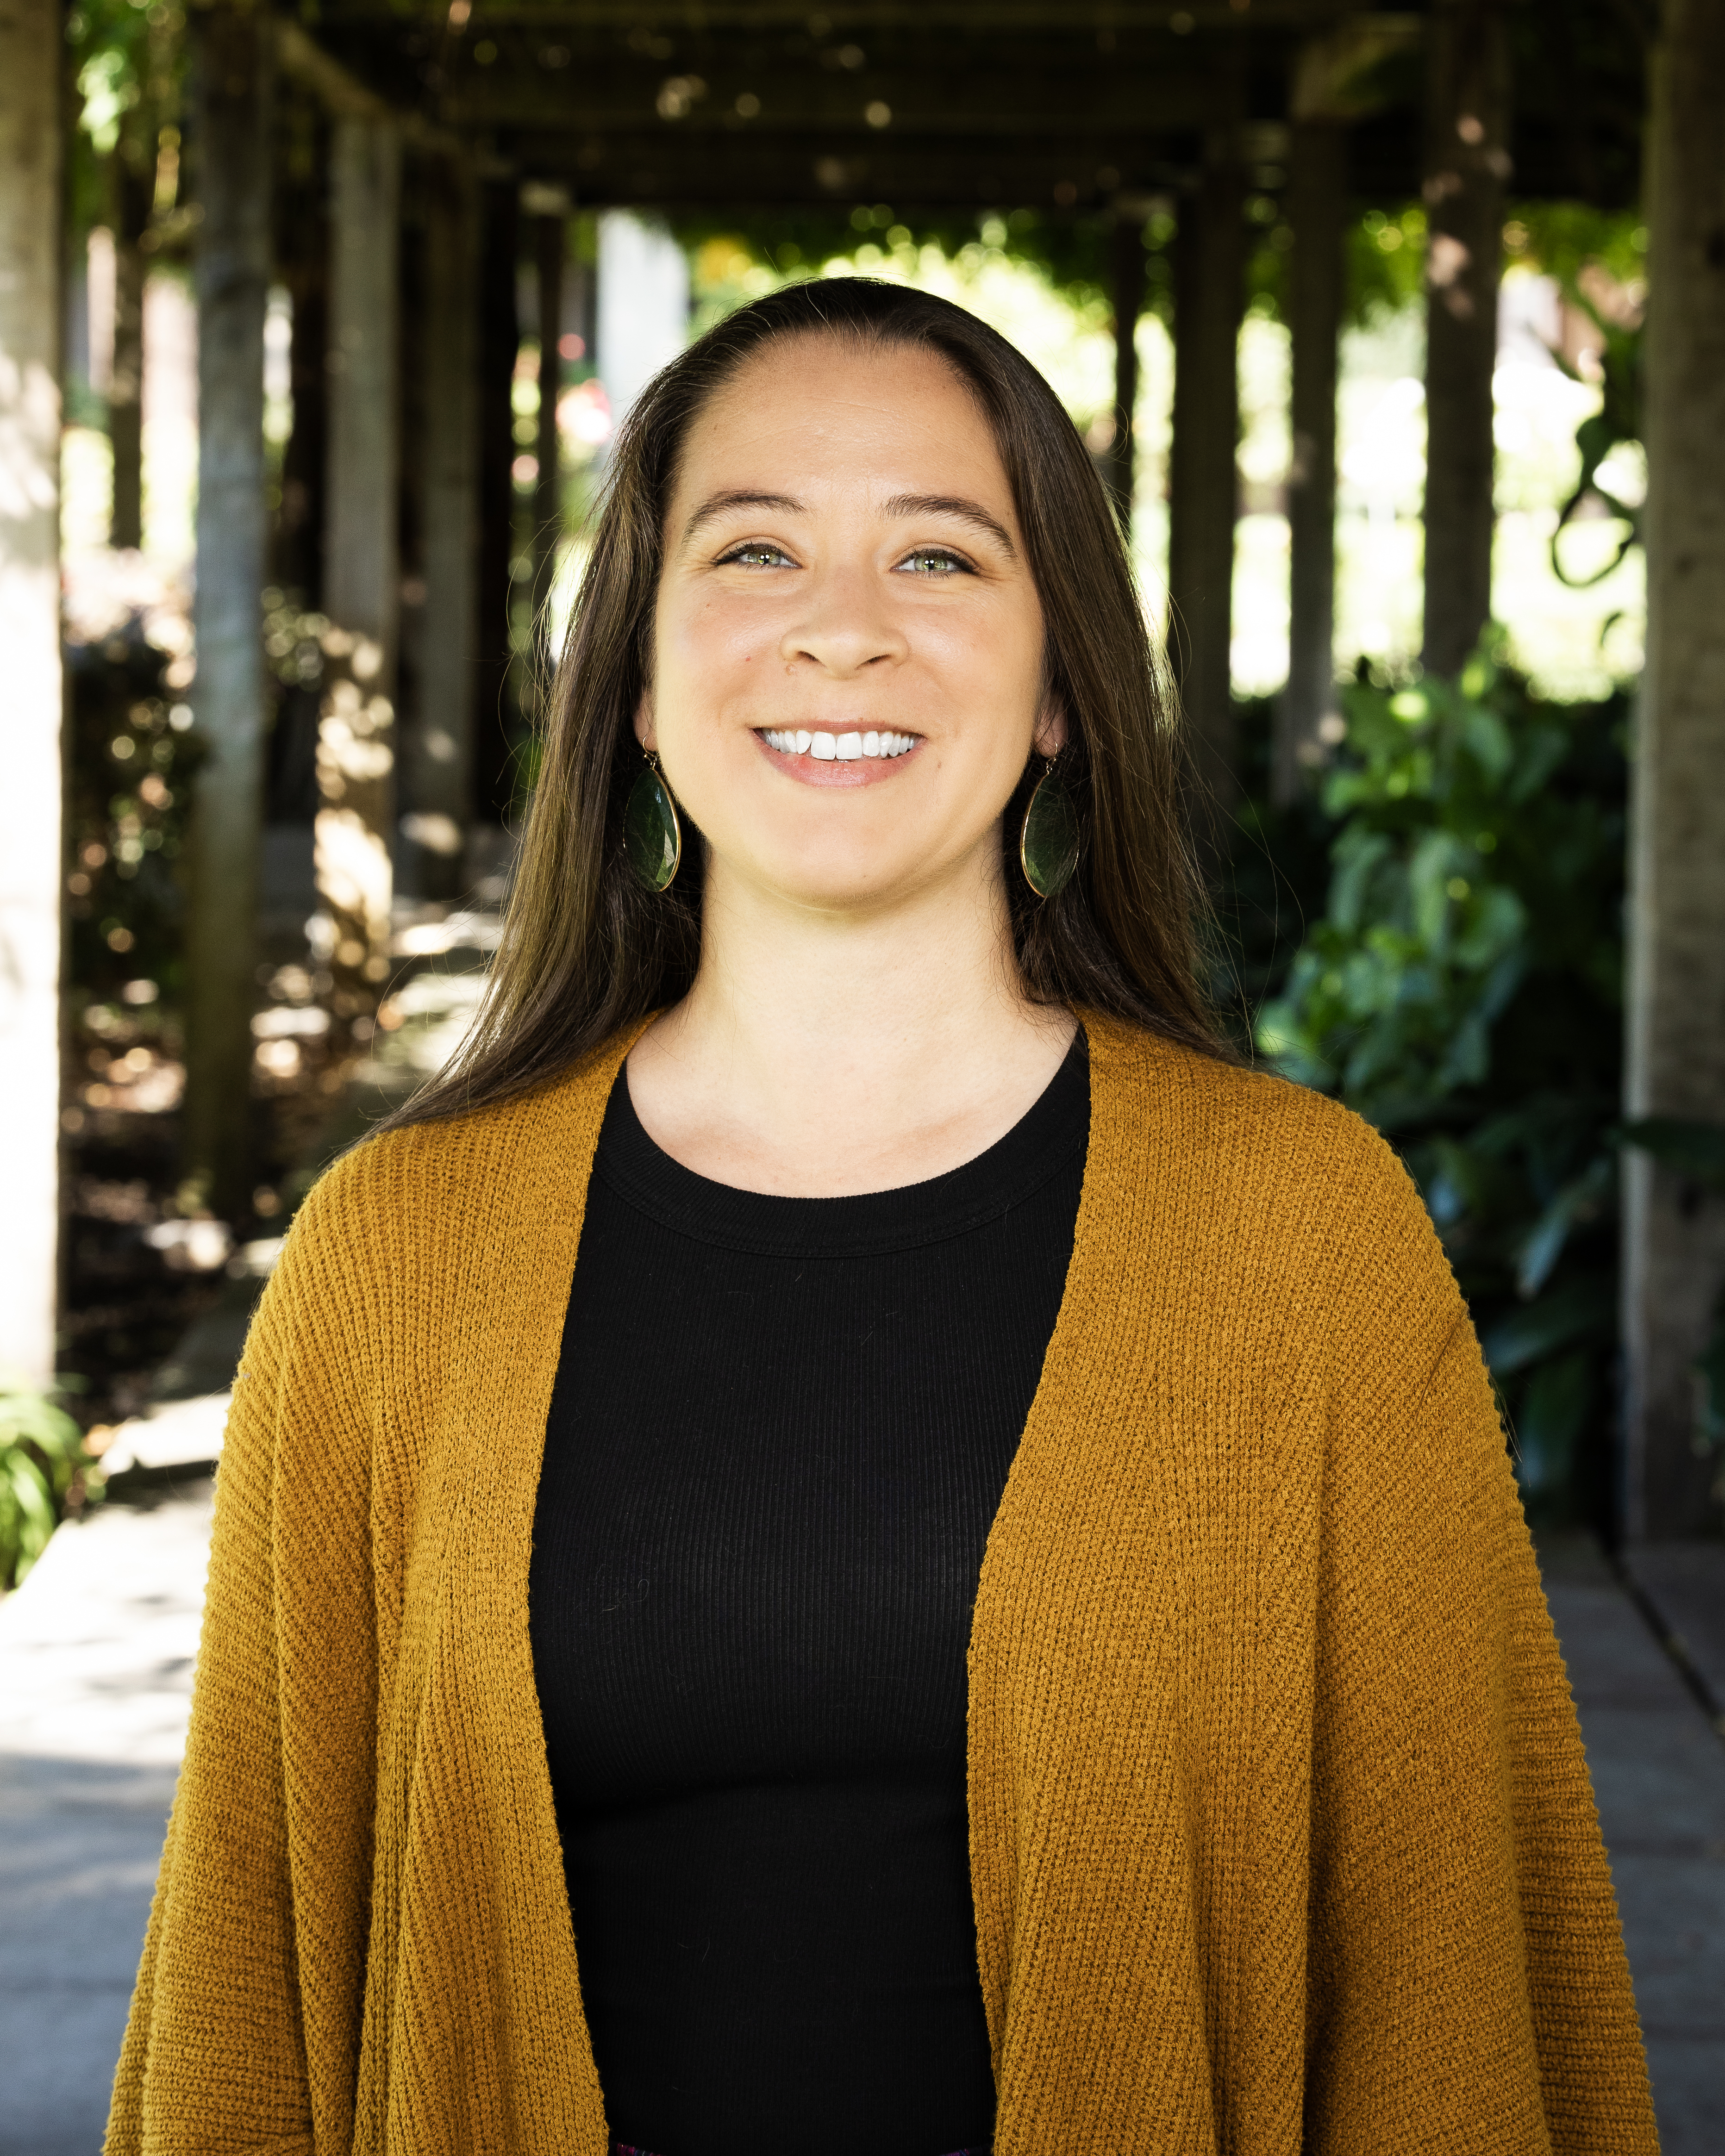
pixel 901 505
pixel 955 505
pixel 715 505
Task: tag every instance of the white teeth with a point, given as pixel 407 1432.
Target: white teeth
pixel 837 748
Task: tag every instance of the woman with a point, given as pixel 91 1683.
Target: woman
pixel 846 1538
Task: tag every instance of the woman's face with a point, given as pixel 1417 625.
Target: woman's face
pixel 847 671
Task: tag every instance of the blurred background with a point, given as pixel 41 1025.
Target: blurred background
pixel 1399 339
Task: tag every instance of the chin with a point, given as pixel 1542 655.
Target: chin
pixel 844 879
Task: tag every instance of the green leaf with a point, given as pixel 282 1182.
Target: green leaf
pixel 1579 1199
pixel 1528 1336
pixel 1551 1417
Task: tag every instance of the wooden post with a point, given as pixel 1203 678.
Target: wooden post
pixel 1318 204
pixel 133 181
pixel 1674 1233
pixel 31 44
pixel 1209 298
pixel 303 265
pixel 438 767
pixel 499 339
pixel 1466 166
pixel 547 493
pixel 1127 267
pixel 356 735
pixel 232 69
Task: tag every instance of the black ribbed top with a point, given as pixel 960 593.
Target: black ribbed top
pixel 780 1431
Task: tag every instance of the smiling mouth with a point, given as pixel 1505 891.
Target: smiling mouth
pixel 837 749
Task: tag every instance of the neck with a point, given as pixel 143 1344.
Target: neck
pixel 823 1053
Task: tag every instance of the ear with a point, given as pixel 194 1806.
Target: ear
pixel 1050 735
pixel 646 732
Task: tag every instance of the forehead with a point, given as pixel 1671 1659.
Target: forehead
pixel 819 412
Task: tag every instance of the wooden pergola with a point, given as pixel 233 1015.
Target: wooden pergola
pixel 445 132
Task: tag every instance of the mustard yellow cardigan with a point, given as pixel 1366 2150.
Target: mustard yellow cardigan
pixel 1281 1838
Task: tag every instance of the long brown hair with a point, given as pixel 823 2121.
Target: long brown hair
pixel 586 949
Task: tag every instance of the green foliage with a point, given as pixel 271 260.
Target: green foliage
pixel 44 1470
pixel 127 65
pixel 1462 992
pixel 1599 259
pixel 1565 238
pixel 1386 262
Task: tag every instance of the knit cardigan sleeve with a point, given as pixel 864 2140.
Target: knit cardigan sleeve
pixel 1464 1956
pixel 258 1930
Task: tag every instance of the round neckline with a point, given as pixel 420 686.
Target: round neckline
pixel 1055 1127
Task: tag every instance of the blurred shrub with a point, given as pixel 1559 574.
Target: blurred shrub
pixel 44 1472
pixel 1462 991
pixel 133 755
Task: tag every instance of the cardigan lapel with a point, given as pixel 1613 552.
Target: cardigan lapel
pixel 482 1859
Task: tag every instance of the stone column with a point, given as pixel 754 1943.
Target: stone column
pixel 1209 296
pixel 1318 198
pixel 1128 268
pixel 437 772
pixel 1466 166
pixel 231 60
pixel 362 568
pixel 1674 1230
pixel 31 44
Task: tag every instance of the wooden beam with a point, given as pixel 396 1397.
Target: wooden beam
pixel 649 169
pixel 344 96
pixel 232 72
pixel 1466 166
pixel 997 19
pixel 1673 1231
pixel 919 98
pixel 31 42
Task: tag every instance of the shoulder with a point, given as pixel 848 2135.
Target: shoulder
pixel 1234 1129
pixel 443 1192
pixel 1291 1196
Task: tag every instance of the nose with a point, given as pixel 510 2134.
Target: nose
pixel 844 627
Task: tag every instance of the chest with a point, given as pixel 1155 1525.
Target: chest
pixel 767 1485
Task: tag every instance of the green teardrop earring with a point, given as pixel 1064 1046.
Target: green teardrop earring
pixel 652 835
pixel 1047 843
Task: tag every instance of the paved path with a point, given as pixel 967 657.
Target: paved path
pixel 95 1675
pixel 1659 1778
pixel 95 1671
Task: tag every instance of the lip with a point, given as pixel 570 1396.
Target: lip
pixel 865 771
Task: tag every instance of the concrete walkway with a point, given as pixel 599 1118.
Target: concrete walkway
pixel 96 1652
pixel 1659 1779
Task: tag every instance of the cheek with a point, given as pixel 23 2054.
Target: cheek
pixel 707 651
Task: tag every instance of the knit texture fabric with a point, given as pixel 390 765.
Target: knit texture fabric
pixel 1281 1838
